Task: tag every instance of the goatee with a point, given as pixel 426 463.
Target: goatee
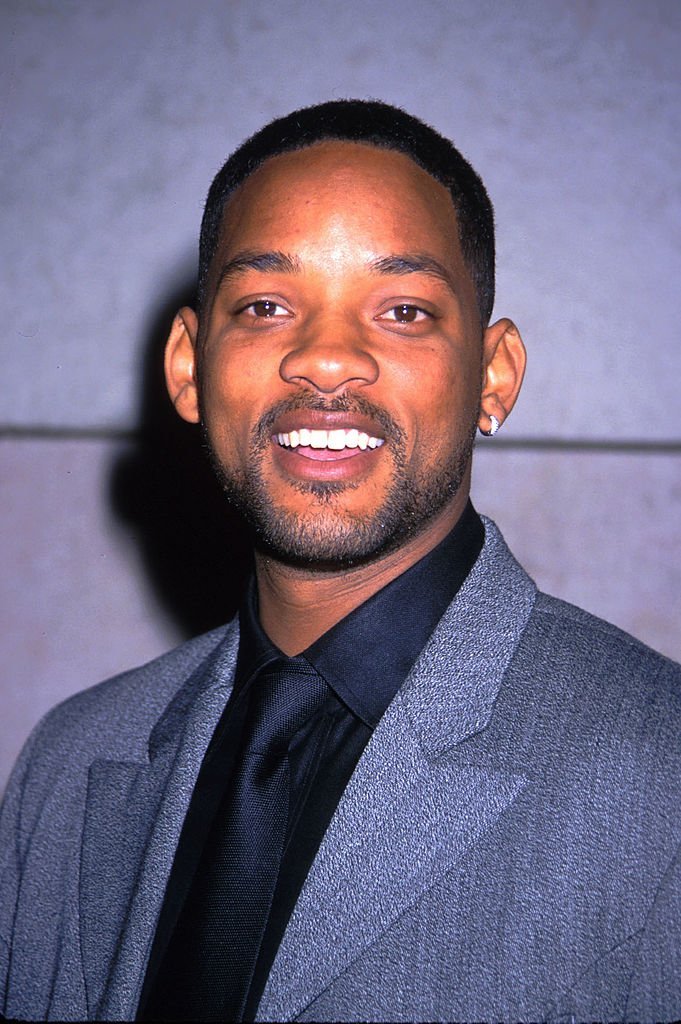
pixel 327 537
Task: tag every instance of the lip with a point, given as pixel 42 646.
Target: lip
pixel 323 465
pixel 349 465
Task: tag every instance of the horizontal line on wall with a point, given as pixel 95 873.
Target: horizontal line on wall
pixel 38 433
pixel 611 445
pixel 585 445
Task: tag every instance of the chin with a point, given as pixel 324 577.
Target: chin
pixel 324 542
pixel 327 537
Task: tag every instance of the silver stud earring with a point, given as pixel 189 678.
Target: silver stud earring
pixel 494 425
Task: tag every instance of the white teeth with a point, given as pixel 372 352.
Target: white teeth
pixel 335 440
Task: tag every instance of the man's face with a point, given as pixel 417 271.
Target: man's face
pixel 340 355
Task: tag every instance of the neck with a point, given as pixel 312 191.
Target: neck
pixel 297 606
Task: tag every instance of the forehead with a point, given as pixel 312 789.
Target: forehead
pixel 380 193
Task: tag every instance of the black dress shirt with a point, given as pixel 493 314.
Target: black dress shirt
pixel 364 659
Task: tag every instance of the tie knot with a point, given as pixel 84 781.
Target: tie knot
pixel 284 695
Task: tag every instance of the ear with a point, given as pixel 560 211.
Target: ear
pixel 503 369
pixel 180 364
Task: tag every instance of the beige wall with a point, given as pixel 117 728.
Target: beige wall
pixel 114 118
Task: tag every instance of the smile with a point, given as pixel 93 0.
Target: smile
pixel 332 440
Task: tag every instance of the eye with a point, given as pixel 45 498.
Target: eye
pixel 264 309
pixel 405 313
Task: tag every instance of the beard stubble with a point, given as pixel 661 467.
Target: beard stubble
pixel 326 537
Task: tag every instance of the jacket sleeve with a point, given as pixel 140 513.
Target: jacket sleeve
pixel 11 844
pixel 39 865
pixel 655 992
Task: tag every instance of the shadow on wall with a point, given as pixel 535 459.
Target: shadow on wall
pixel 195 548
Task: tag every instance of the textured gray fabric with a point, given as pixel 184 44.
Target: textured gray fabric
pixel 507 848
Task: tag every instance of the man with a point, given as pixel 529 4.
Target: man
pixel 403 785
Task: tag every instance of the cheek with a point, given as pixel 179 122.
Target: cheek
pixel 233 387
pixel 436 400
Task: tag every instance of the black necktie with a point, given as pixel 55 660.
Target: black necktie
pixel 208 964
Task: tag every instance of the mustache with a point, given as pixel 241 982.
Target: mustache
pixel 348 403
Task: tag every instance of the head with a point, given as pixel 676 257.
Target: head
pixel 341 357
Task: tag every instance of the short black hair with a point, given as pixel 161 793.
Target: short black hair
pixel 377 124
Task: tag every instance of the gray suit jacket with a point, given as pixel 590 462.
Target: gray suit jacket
pixel 507 848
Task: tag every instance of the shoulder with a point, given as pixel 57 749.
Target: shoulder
pixel 563 638
pixel 574 642
pixel 143 692
pixel 573 676
pixel 114 718
pixel 600 714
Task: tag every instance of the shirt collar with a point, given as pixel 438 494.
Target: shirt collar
pixel 366 656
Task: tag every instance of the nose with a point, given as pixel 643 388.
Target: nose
pixel 328 358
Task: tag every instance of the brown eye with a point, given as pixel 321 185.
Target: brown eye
pixel 406 314
pixel 264 307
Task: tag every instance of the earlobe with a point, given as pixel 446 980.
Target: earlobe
pixel 504 360
pixel 180 364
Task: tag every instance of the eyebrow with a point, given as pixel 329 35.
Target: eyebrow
pixel 275 260
pixel 413 263
pixel 396 264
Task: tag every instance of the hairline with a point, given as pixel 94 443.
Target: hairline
pixel 206 296
pixel 380 126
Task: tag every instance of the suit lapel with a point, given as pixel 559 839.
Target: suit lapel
pixel 133 818
pixel 412 791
